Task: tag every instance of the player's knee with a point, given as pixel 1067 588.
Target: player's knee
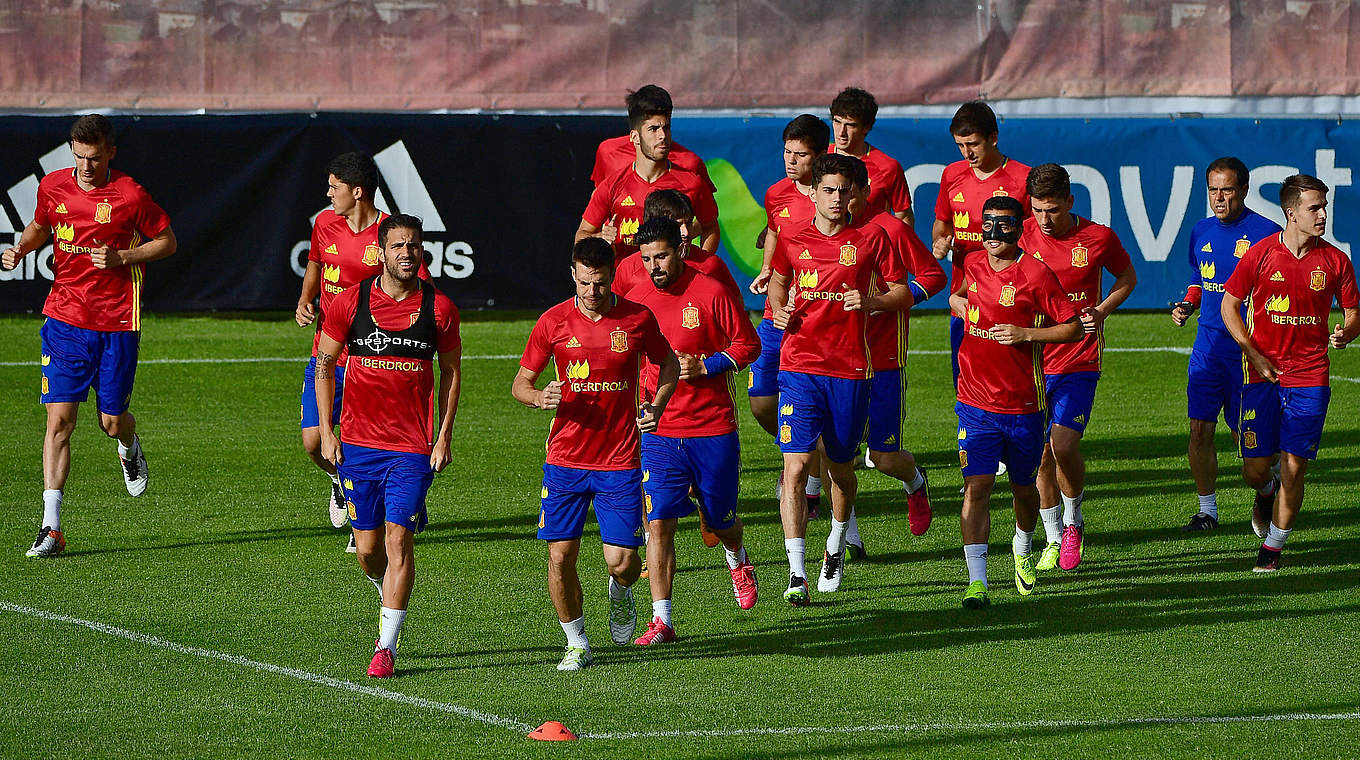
pixel 1256 471
pixel 112 424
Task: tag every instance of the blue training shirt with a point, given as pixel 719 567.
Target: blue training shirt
pixel 1215 249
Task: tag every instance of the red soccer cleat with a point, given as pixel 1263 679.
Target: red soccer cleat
pixel 744 586
pixel 381 666
pixel 918 508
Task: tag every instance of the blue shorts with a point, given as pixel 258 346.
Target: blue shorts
pixel 1282 419
pixel 834 409
pixel 385 486
pixel 709 463
pixel 75 359
pixel 310 416
pixel 986 438
pixel 955 340
pixel 1214 384
pixel 887 392
pixel 568 491
pixel 1070 398
pixel 765 370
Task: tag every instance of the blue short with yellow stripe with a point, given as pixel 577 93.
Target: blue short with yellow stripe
pixel 986 438
pixel 75 359
pixel 569 491
pixel 385 487
pixel 1071 398
pixel 1282 419
pixel 764 379
pixel 887 394
pixel 708 463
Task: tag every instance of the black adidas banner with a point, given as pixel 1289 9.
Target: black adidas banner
pixel 501 197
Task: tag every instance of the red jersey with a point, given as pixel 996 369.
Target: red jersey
pixel 1007 379
pixel 621 195
pixel 822 337
pixel 600 363
pixel 888 330
pixel 346 258
pixel 888 189
pixel 630 273
pixel 1077 259
pixel 120 214
pixel 617 152
pixel 959 204
pixel 1289 301
pixel 786 207
pixel 389 391
pixel 700 316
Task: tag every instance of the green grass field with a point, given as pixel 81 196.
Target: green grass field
pixel 230 558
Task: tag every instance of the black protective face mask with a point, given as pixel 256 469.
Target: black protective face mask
pixel 992 225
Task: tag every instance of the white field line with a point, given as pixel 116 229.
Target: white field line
pixel 1347 379
pixel 511 724
pixel 301 675
pixel 478 357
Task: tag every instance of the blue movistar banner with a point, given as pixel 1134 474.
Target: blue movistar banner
pixel 1143 177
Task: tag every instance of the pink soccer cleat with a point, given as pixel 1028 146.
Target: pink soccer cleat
pixel 657 633
pixel 381 666
pixel 744 584
pixel 918 508
pixel 1069 556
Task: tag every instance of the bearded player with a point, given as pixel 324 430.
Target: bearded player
pixel 106 229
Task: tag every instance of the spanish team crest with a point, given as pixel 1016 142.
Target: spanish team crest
pixel 618 341
pixel 1317 279
pixel 370 255
pixel 1249 439
pixel 1007 295
pixel 848 255
pixel 785 433
pixel 1241 247
pixel 1080 256
pixel 415 317
pixel 689 317
pixel 963 458
pixel 103 212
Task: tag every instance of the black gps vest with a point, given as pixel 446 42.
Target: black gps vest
pixel 415 342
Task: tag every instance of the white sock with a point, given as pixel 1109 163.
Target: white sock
pixel 1276 537
pixel 852 533
pixel 835 541
pixel 576 633
pixel 390 628
pixel 126 451
pixel 52 509
pixel 976 557
pixel 377 583
pixel 1023 541
pixel 1053 523
pixel 1209 505
pixel 661 608
pixel 814 487
pixel 735 558
pixel 1072 509
pixel 916 483
pixel 796 548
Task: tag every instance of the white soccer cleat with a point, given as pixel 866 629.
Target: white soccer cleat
pixel 622 614
pixel 339 512
pixel 135 474
pixel 833 570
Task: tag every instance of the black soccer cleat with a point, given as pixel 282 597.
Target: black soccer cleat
pixel 1201 521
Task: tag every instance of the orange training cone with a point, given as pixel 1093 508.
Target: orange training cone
pixel 552 731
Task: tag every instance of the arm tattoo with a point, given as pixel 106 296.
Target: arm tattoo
pixel 324 362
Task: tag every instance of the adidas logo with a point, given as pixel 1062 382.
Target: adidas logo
pixel 784 212
pixel 1207 248
pixel 805 254
pixel 61 208
pixel 573 343
pixel 331 249
pixel 958 198
pixel 972 287
pixel 448 257
pixel 627 201
pixel 1277 277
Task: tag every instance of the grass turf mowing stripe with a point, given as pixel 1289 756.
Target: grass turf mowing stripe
pixel 474 357
pixel 980 727
pixel 301 675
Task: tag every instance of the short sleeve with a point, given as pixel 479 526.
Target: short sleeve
pixel 1348 295
pixel 942 212
pixel 779 262
pixel 1243 278
pixel 151 218
pixel 538 349
pixel 899 194
pixel 1051 297
pixel 1117 259
pixel 449 337
pixel 42 213
pixel 705 207
pixel 340 315
pixel 887 262
pixel 314 254
pixel 654 343
pixel 597 211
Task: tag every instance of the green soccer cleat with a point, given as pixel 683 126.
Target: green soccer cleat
pixel 1048 558
pixel 1025 577
pixel 975 598
pixel 576 658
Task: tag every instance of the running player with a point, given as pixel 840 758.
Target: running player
pixel 615 153
pixel 344 252
pixel 788 206
pixel 1012 304
pixel 615 209
pixel 887 336
pixel 695 445
pixel 106 228
pixel 597 342
pixel 1215 375
pixel 852 117
pixel 1076 250
pixel 1290 280
pixel 820 293
pixel 393 326
pixel 673 205
pixel 984 172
